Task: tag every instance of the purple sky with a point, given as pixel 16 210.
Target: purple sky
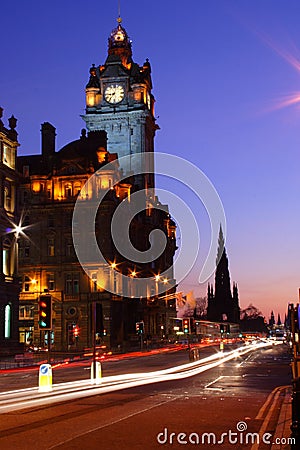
pixel 220 69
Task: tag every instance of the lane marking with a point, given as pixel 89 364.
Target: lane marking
pixel 214 381
pixel 274 395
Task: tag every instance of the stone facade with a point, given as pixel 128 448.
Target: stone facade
pixel 51 184
pixel 9 233
pixel 119 100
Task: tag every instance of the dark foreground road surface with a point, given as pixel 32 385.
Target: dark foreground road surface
pixel 235 398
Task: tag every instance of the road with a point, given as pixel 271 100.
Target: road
pixel 145 417
pixel 28 377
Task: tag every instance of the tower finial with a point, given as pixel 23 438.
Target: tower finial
pixel 119 19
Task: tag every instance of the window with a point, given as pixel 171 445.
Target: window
pixel 6 258
pixel 77 187
pixel 69 247
pixel 72 283
pixel 27 282
pixel 7 198
pixel 68 190
pixel 51 247
pixel 69 283
pixel 94 282
pixel 26 312
pixel 6 155
pixel 7 322
pixel 25 171
pixel 51 281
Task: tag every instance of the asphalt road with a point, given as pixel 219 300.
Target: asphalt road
pixel 221 399
pixel 28 377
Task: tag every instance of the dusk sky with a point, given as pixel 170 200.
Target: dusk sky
pixel 226 77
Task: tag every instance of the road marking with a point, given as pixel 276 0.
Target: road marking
pixel 207 386
pixel 128 416
pixel 217 379
pixel 272 396
pixel 261 412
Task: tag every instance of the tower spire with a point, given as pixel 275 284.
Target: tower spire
pixel 119 19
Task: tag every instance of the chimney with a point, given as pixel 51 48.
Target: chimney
pixel 48 140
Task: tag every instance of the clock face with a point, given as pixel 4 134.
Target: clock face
pixel 114 93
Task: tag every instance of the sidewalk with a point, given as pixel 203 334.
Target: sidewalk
pixel 283 428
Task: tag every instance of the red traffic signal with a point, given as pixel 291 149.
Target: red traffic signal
pixel 186 325
pixel 45 312
pixel 76 331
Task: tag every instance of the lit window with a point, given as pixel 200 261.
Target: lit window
pixel 51 247
pixel 7 322
pixel 6 260
pixel 51 281
pixel 68 190
pixel 6 156
pixel 7 198
pixel 94 282
pixel 77 187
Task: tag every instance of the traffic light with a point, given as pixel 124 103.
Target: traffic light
pixel 45 312
pixel 139 327
pixel 186 325
pixel 76 331
pixel 221 328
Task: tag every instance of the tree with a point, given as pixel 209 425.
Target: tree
pixel 253 320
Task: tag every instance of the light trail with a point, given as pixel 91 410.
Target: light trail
pixel 26 398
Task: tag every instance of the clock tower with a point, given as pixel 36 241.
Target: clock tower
pixel 119 100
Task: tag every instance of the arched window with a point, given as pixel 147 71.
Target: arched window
pixel 6 257
pixel 7 322
pixel 7 198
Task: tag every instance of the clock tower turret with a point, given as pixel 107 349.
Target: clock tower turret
pixel 119 100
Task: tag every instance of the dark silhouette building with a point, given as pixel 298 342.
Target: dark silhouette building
pixel 223 306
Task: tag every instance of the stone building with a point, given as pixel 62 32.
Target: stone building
pixel 120 122
pixel 51 184
pixel 9 231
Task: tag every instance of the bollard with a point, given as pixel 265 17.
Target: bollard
pixel 45 378
pixel 98 378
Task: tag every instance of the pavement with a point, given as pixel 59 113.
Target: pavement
pixel 283 402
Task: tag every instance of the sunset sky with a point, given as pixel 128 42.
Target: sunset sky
pixel 226 77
